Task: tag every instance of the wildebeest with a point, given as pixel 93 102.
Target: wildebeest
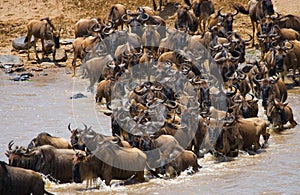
pixel 115 15
pixel 57 163
pixel 203 9
pixel 95 69
pixel 104 90
pixel 229 140
pixel 257 10
pixel 251 129
pixel 279 113
pixel 288 21
pixel 186 20
pixel 15 180
pixel 110 161
pixel 47 139
pixel 176 159
pixel 84 27
pixel 41 29
pixel 273 87
pixel 225 19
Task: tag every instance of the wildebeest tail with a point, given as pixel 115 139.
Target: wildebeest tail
pixel 154 5
pixel 240 8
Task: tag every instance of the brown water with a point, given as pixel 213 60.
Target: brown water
pixel 44 104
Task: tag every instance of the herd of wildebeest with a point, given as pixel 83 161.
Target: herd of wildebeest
pixel 195 93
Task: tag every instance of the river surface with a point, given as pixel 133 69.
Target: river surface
pixel 44 105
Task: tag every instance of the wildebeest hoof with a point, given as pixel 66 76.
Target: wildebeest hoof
pixel 78 95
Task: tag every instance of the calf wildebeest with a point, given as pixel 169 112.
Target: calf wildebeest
pixel 41 29
pixel 47 139
pixel 15 180
pixel 279 113
pixel 257 10
pixel 57 163
pixel 84 27
pixel 110 161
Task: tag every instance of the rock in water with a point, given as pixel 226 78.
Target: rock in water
pixel 10 61
pixel 78 95
pixel 18 43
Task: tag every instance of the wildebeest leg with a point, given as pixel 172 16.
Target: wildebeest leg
pixel 253 32
pixel 160 5
pixel 34 48
pixel 74 64
pixel 43 48
pixel 107 174
pixel 266 138
pixel 28 38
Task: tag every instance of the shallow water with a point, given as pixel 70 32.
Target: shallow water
pixel 44 104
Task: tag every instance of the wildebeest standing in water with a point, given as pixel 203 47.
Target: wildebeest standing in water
pixel 15 180
pixel 110 161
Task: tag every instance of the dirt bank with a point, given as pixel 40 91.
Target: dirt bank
pixel 14 15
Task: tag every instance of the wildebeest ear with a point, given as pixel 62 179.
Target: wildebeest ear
pixel 285 103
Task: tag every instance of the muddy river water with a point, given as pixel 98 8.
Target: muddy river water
pixel 44 105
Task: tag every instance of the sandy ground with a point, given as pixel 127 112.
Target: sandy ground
pixel 15 14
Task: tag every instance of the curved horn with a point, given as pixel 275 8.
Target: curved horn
pixel 255 79
pixel 235 13
pixel 288 48
pixel 232 93
pixel 10 144
pixel 252 96
pixel 69 127
pixel 108 105
pixel 171 104
pixel 219 12
pixel 144 14
pixel 248 40
pixel 141 91
pixel 123 18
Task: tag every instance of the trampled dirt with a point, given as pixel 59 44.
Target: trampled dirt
pixel 14 15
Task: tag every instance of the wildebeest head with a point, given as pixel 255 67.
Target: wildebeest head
pixel 228 20
pixel 75 141
pixel 20 156
pixel 146 143
pixel 276 112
